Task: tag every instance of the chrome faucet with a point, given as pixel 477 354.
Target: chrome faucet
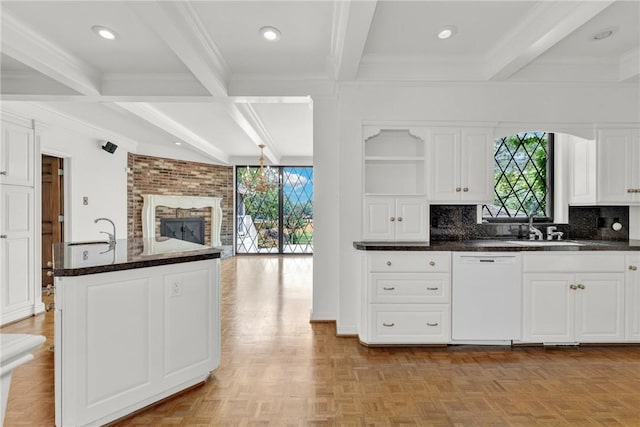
pixel 112 237
pixel 551 232
pixel 534 233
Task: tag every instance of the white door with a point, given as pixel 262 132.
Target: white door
pixel 548 302
pixel 632 297
pixel 16 155
pixel 477 162
pixel 411 219
pixel 599 307
pixel 379 218
pixel 17 271
pixel 444 160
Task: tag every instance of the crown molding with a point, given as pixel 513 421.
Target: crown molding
pixel 252 125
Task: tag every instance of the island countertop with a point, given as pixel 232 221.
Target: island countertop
pixel 82 258
pixel 497 245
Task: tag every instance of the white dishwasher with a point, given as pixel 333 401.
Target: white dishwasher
pixel 486 305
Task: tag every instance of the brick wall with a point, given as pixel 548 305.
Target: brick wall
pixel 155 175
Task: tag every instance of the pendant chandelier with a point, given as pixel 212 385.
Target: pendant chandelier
pixel 264 179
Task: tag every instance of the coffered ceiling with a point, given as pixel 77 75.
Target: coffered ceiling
pixel 200 73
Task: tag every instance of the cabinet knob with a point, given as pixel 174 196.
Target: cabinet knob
pixel 399 219
pixel 633 268
pixel 389 263
pixel 49 264
pixel 573 287
pixel 465 189
pixel 458 189
pixel 581 286
pixel 3 236
pixel 49 273
pixel 432 263
pixel 392 219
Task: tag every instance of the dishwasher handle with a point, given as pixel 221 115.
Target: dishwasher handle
pixel 488 259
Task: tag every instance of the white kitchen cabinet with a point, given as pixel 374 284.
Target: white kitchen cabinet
pixel 632 297
pixel 561 305
pixel 17 155
pixel 607 170
pixel 406 298
pixel 461 165
pixel 396 218
pixel 17 269
pixel 394 160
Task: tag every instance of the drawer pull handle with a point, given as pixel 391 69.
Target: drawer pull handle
pixel 581 286
pixel 3 173
pixel 633 268
pixel 432 289
pixel 399 219
pixel 573 287
pixel 388 325
pixel 389 289
pixel 432 324
pixel 458 189
pixel 432 263
pixel 392 219
pixel 389 263
pixel 465 189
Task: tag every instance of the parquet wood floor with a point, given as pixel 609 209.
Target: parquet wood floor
pixel 278 369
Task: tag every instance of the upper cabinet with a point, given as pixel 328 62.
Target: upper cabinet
pixel 17 155
pixel 394 161
pixel 607 170
pixel 460 165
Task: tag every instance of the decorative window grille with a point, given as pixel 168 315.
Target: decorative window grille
pixel 523 172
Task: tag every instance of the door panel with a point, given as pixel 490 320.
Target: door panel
pixel 600 307
pixel 52 231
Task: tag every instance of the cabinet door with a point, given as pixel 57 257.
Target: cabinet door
pixel 583 179
pixel 444 160
pixel 16 155
pixel 411 219
pixel 477 161
pixel 632 298
pixel 548 308
pixel 599 307
pixel 615 166
pixel 379 218
pixel 17 278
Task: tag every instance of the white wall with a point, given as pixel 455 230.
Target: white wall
pixel 511 107
pixel 94 173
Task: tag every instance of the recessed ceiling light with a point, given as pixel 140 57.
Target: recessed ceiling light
pixel 104 32
pixel 447 32
pixel 271 34
pixel 607 32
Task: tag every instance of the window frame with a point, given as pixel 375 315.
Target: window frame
pixel 550 189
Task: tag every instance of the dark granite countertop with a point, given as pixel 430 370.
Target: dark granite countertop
pixel 495 245
pixel 82 258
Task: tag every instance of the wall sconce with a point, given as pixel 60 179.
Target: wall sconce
pixel 109 147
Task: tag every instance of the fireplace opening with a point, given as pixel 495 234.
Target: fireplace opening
pixel 189 229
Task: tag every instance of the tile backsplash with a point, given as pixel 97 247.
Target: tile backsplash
pixel 458 222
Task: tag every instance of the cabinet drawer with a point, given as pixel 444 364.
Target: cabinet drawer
pixel 410 324
pixel 409 287
pixel 435 262
pixel 587 262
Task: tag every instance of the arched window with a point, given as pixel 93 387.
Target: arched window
pixel 523 178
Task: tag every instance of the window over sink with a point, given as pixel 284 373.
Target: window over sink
pixel 523 178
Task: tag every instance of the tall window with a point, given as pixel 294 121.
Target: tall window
pixel 523 177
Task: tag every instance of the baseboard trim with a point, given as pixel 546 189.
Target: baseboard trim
pixel 322 317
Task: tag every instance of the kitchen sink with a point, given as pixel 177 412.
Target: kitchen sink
pixel 94 242
pixel 544 243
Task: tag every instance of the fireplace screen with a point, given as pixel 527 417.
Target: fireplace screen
pixel 189 229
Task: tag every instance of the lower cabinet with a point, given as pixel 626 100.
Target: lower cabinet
pixel 632 297
pixel 407 298
pixel 574 307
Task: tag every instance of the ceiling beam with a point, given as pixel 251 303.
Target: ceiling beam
pixel 250 123
pixel 28 47
pixel 547 24
pixel 169 125
pixel 351 23
pixel 158 98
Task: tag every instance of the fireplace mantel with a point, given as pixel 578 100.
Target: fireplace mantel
pixel 152 201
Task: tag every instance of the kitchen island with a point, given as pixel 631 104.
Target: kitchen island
pixel 136 321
